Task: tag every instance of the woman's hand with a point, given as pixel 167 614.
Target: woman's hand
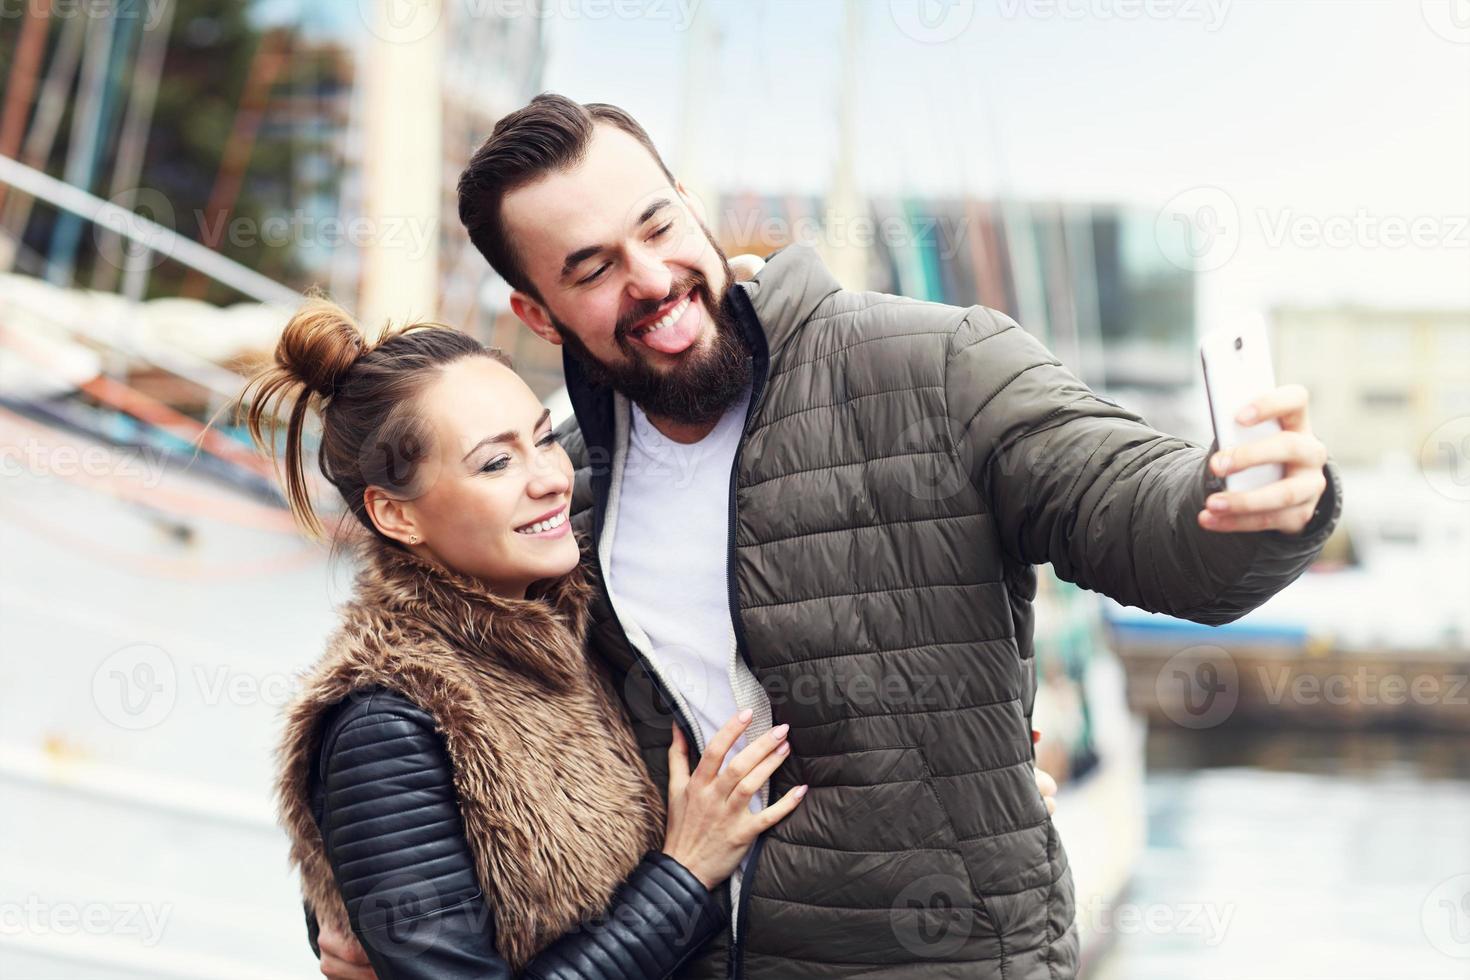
pixel 343 957
pixel 710 826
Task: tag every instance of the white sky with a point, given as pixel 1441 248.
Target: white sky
pixel 1342 116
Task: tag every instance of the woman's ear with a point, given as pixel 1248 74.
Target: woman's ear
pixel 394 518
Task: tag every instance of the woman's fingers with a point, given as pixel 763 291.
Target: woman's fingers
pixel 779 810
pixel 678 764
pixel 751 756
pixel 751 783
pixel 719 747
pixel 343 957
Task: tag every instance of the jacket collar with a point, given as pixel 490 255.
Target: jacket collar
pixel 526 634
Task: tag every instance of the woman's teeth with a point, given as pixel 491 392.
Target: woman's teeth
pixel 549 524
pixel 668 319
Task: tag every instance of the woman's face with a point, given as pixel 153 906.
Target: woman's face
pixel 496 487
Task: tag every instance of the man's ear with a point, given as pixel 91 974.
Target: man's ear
pixel 694 203
pixel 395 518
pixel 534 315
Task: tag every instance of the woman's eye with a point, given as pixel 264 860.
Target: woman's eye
pixel 660 232
pixel 548 440
pixel 496 465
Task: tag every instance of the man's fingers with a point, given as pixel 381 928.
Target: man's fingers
pixel 1045 783
pixel 1290 521
pixel 1294 491
pixel 1290 448
pixel 1287 404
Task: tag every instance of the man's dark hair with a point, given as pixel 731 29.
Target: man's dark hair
pixel 547 135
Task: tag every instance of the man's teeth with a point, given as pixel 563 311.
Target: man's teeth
pixel 668 318
pixel 546 525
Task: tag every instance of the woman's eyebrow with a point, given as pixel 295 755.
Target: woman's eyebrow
pixel 509 435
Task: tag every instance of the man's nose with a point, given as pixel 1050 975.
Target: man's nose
pixel 648 277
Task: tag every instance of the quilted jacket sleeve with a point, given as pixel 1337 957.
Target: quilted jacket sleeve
pixel 1078 481
pixel 394 837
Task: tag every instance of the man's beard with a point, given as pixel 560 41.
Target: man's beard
pixel 701 386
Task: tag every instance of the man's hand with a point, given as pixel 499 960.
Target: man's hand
pixel 342 956
pixel 1287 504
pixel 1048 788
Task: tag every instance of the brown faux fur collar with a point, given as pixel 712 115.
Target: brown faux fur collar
pixel 558 807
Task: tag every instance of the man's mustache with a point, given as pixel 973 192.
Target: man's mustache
pixel 648 307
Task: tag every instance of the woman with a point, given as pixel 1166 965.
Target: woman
pixel 461 786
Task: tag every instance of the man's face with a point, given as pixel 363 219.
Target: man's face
pixel 629 279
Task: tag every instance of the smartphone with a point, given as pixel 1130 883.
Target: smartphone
pixel 1237 365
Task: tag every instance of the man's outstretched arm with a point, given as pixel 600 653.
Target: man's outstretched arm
pixel 1118 507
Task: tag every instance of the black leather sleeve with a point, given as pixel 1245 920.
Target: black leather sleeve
pixel 395 840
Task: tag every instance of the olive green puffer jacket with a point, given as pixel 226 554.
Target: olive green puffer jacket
pixel 903 468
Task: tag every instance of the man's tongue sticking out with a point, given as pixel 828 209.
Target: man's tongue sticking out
pixel 676 337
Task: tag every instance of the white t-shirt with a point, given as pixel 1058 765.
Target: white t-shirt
pixel 670 554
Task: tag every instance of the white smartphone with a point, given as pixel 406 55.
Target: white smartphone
pixel 1237 365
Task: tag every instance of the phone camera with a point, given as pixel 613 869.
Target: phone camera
pixel 1239 343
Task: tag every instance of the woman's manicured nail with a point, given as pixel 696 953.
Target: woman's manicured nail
pixel 800 791
pixel 779 732
pixel 745 715
pixel 783 748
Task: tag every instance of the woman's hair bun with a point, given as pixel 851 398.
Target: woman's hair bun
pixel 319 345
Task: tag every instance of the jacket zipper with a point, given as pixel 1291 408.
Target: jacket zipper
pixel 761 360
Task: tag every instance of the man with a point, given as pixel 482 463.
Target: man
pixel 826 507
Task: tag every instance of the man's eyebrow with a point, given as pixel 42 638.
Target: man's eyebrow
pixel 581 255
pixel 509 435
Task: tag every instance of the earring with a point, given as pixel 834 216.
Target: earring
pixel 414 539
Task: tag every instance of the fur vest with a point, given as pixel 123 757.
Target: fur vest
pixel 558 807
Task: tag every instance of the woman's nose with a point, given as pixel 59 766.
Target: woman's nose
pixel 549 479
